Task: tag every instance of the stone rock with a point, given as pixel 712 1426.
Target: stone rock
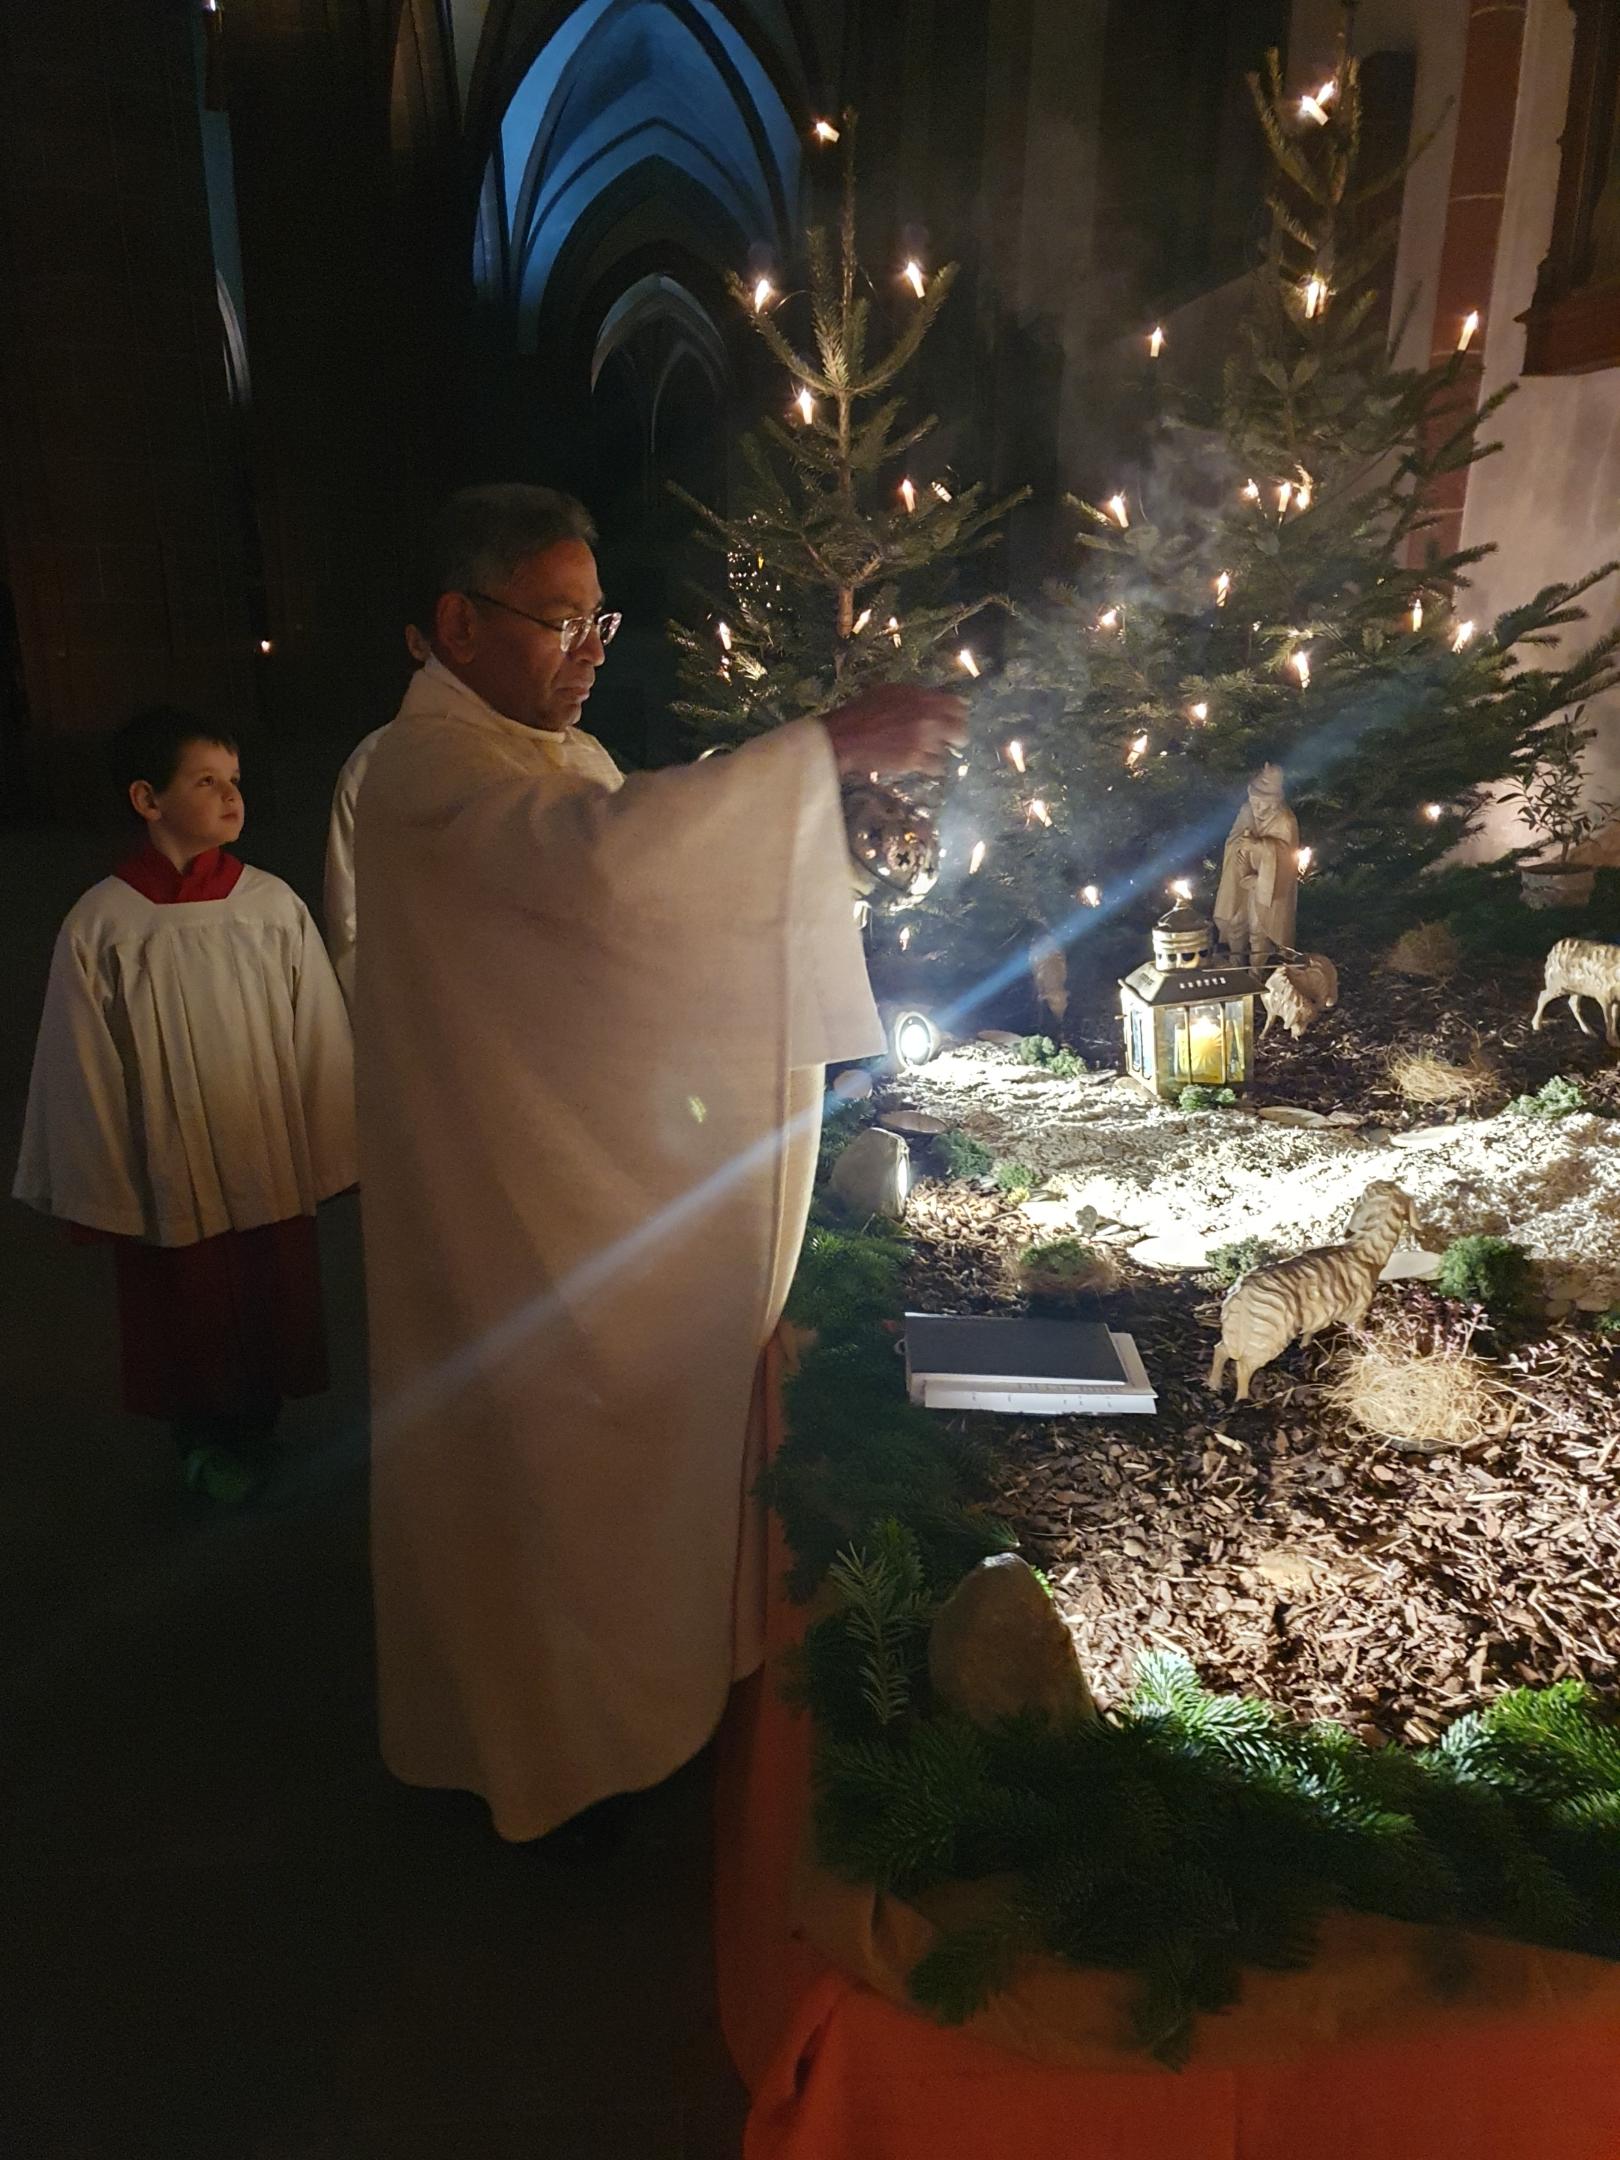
pixel 912 1121
pixel 1292 1114
pixel 871 1176
pixel 854 1085
pixel 1407 1263
pixel 1005 1037
pixel 998 1647
pixel 1426 1136
pixel 1285 1567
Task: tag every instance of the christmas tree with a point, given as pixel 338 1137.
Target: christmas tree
pixel 1275 587
pixel 838 555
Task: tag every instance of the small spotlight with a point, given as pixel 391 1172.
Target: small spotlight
pixel 915 1040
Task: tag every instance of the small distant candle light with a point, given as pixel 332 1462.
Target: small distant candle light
pixel 1137 751
pixel 1090 896
pixel 1311 108
pixel 1303 858
pixel 1156 340
pixel 913 275
pixel 825 132
pixel 265 645
pixel 941 490
pixel 1285 495
pixel 1223 587
pixel 1200 711
pixel 1314 296
pixel 764 293
pixel 1015 755
pixel 1469 331
pixel 1464 633
pixel 905 937
pixel 1300 662
pixel 1251 491
pixel 1108 619
pixel 861 621
pixel 1181 887
pixel 966 662
pixel 961 772
pixel 1302 493
pixel 1329 91
pixel 1434 812
pixel 1417 612
pixel 807 406
pixel 1038 813
pixel 893 628
pixel 976 859
pixel 908 495
pixel 1118 511
pixel 723 632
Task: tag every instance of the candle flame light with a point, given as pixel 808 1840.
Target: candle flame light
pixel 1118 511
pixel 1108 619
pixel 893 628
pixel 941 490
pixel 1314 297
pixel 1181 887
pixel 1434 812
pixel 1302 493
pixel 1311 108
pixel 824 132
pixel 1090 896
pixel 1285 495
pixel 764 293
pixel 1469 331
pixel 265 645
pixel 905 937
pixel 966 662
pixel 961 772
pixel 1465 631
pixel 1037 813
pixel 1156 340
pixel 1329 91
pixel 1303 858
pixel 1417 612
pixel 1137 751
pixel 913 275
pixel 1200 711
pixel 908 495
pixel 807 406
pixel 1015 756
pixel 861 621
pixel 723 632
pixel 1300 662
pixel 976 859
pixel 1251 491
pixel 1223 586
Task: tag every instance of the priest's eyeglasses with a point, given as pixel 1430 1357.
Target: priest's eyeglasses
pixel 571 631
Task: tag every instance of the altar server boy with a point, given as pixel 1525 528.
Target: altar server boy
pixel 192 1102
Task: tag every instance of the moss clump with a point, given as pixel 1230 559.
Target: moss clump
pixel 1194 1098
pixel 1488 1271
pixel 961 1156
pixel 1066 1268
pixel 1013 1177
pixel 1042 1051
pixel 1555 1099
pixel 1228 1262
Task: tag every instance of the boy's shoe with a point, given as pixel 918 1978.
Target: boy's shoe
pixel 219 1475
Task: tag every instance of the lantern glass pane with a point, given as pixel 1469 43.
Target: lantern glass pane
pixel 1141 1061
pixel 1237 1062
pixel 1206 1032
pixel 1171 1024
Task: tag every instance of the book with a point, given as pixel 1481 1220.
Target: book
pixel 1036 1368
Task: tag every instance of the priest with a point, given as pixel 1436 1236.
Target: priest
pixel 592 1014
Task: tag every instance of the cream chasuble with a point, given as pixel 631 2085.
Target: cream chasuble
pixel 591 1017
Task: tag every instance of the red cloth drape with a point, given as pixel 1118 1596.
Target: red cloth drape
pixel 838 2072
pixel 211 876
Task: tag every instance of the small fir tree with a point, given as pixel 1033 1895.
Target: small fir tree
pixel 1276 589
pixel 838 553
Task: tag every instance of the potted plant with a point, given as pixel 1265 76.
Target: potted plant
pixel 1550 783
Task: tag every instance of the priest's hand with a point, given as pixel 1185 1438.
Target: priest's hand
pixel 896 728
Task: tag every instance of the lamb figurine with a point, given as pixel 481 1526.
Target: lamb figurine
pixel 1580 967
pixel 1298 991
pixel 1291 1300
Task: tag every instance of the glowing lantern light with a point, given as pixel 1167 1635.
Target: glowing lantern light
pixel 1187 1018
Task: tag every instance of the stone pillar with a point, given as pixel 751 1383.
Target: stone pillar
pixel 121 506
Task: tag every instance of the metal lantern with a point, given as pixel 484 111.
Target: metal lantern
pixel 1188 1022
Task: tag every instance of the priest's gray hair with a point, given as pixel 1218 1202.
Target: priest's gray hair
pixel 483 533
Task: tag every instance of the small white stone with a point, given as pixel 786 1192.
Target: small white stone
pixel 1292 1114
pixel 1407 1263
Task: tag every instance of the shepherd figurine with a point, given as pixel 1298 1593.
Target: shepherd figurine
pixel 1259 889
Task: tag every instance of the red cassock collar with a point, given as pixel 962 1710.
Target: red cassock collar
pixel 211 877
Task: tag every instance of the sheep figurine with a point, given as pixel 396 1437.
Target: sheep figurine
pixel 1298 991
pixel 1291 1300
pixel 1580 967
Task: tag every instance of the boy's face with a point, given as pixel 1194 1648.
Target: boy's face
pixel 201 807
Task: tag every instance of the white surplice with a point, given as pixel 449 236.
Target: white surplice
pixel 337 904
pixel 591 1022
pixel 193 1071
